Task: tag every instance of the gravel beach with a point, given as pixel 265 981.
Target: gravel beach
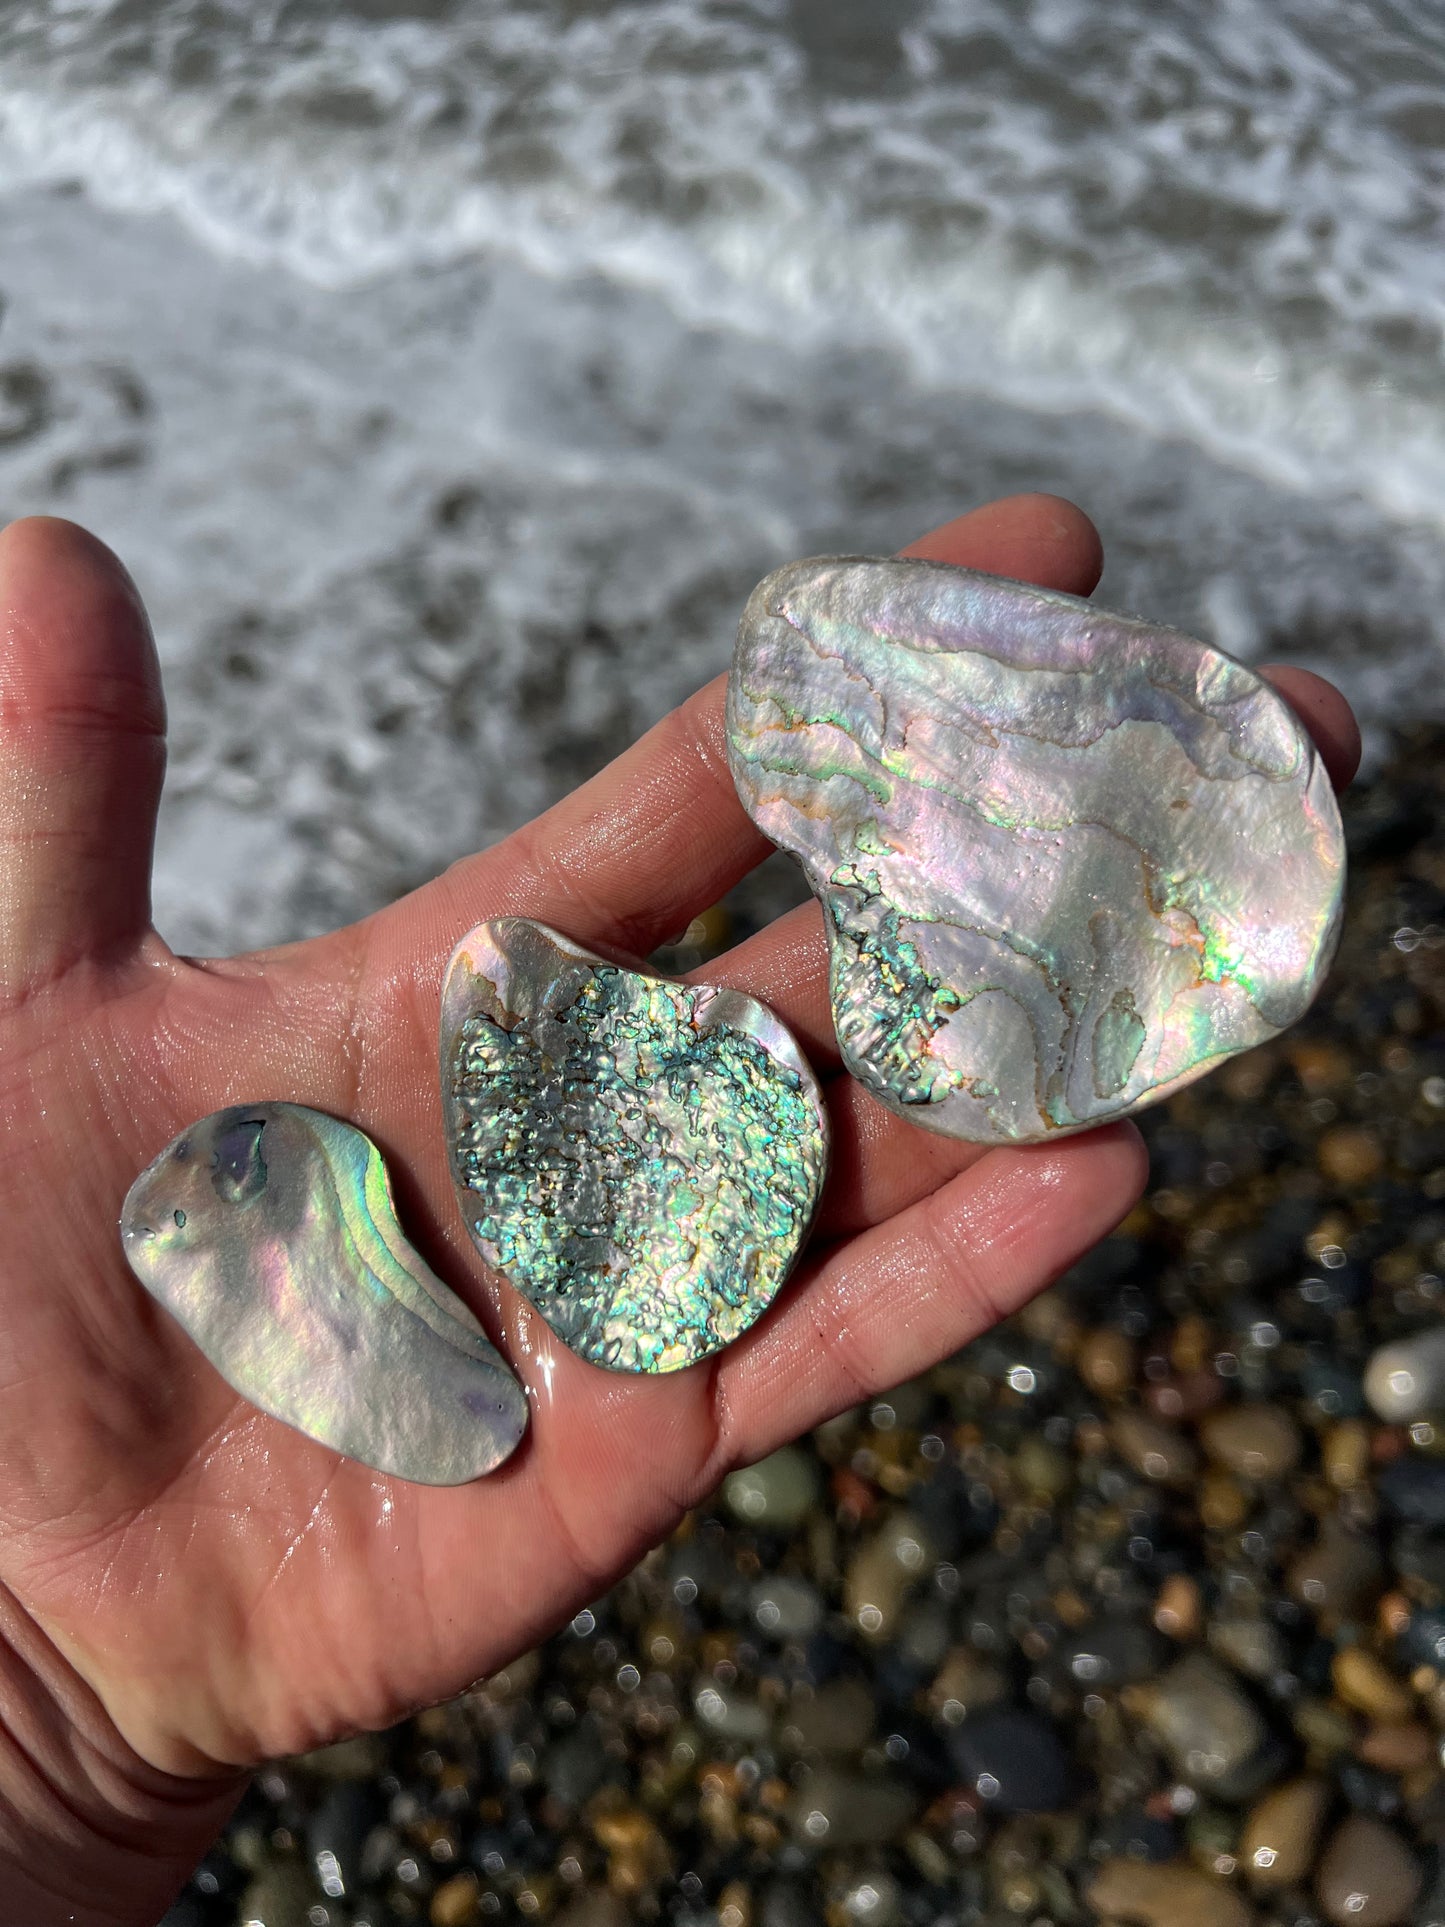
pixel 1132 1612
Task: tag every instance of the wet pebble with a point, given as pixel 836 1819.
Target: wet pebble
pixel 731 1713
pixel 835 1809
pixel 1204 1719
pixel 1172 1895
pixel 1414 1490
pixel 1255 1442
pixel 1015 1761
pixel 838 1718
pixel 883 1572
pixel 1363 1682
pixel 1157 1452
pixel 1107 1360
pixel 778 1492
pixel 281 1895
pixel 786 1608
pixel 1281 1834
pixel 1341 1575
pixel 1367 1876
pixel 1406 1379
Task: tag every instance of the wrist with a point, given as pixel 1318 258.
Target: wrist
pixel 91 1835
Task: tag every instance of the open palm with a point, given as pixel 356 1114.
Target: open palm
pixel 188 1586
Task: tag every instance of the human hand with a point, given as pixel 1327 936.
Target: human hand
pixel 187 1586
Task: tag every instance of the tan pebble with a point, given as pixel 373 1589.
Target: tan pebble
pixel 1223 1504
pixel 1339 1577
pixel 1281 1835
pixel 965 1683
pixel 1326 1729
pixel 1155 1451
pixel 1168 1895
pixel 1192 1345
pixel 1184 1395
pixel 1397 1746
pixel 1367 1877
pixel 735 1906
pixel 1348 1155
pixel 1178 1611
pixel 1319 1066
pixel 1346 1454
pixel 457 1903
pixel 1393 1614
pixel 883 1572
pixel 1106 1362
pixel 1255 1442
pixel 1363 1682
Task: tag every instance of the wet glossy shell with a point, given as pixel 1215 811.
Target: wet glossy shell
pixel 269 1232
pixel 1068 861
pixel 642 1158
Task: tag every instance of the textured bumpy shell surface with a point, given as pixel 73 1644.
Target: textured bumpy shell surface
pixel 269 1232
pixel 1068 861
pixel 641 1158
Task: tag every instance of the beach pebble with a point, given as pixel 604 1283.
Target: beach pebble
pixel 966 1683
pixel 1345 1454
pixel 1362 1682
pixel 786 1608
pixel 882 1572
pixel 778 1492
pixel 1281 1834
pixel 1414 1490
pixel 456 1902
pixel 1204 1720
pixel 1157 1452
pixel 1253 1441
pixel 1172 1895
pixel 733 1714
pixel 1397 1746
pixel 1406 1379
pixel 1112 1652
pixel 281 1895
pixel 1179 1610
pixel 1015 1761
pixel 1349 1155
pixel 1367 1876
pixel 838 1718
pixel 1107 1361
pixel 1223 1502
pixel 835 1809
pixel 869 1899
pixel 1253 1647
pixel 1339 1576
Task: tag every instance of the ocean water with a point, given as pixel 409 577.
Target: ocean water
pixel 447 372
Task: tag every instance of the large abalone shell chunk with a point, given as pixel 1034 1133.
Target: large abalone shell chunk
pixel 641 1158
pixel 1067 860
pixel 269 1232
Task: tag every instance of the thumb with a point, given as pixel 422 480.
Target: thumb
pixel 82 753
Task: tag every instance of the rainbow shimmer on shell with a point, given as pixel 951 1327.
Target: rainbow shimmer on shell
pixel 1068 860
pixel 269 1232
pixel 642 1158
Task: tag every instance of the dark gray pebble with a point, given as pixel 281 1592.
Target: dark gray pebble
pixel 1014 1761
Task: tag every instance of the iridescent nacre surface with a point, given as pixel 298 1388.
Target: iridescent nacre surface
pixel 269 1232
pixel 641 1158
pixel 1067 860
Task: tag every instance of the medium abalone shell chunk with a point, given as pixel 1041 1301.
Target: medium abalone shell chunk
pixel 269 1232
pixel 1067 860
pixel 641 1158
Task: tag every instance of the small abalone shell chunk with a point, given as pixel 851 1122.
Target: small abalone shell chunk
pixel 269 1232
pixel 641 1158
pixel 1067 860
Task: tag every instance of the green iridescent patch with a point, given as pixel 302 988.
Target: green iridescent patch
pixel 641 1158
